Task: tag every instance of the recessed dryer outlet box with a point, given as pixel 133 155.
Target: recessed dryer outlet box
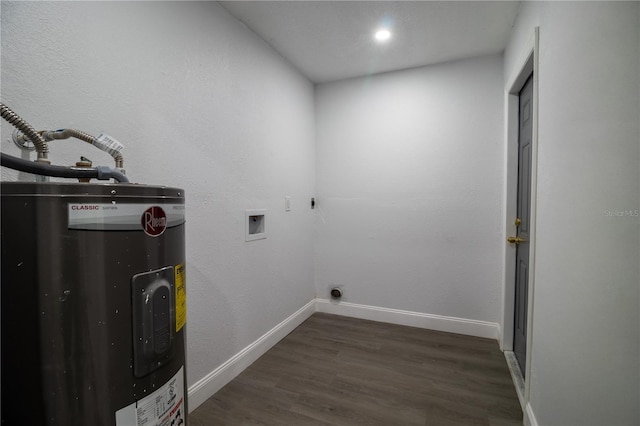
pixel 255 225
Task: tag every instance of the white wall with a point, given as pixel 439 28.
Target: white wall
pixel 409 175
pixel 586 324
pixel 200 103
pixel 409 168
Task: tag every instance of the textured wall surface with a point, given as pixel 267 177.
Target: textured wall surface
pixel 409 169
pixel 200 103
pixel 586 324
pixel 409 189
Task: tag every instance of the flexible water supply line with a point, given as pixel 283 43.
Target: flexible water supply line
pixel 42 166
pixel 113 150
pixel 103 142
pixel 14 119
pixel 100 172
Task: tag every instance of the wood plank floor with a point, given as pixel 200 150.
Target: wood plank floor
pixel 335 370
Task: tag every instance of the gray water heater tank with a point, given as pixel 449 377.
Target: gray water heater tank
pixel 93 305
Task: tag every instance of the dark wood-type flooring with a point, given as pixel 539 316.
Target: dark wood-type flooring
pixel 335 370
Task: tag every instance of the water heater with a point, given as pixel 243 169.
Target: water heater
pixel 93 305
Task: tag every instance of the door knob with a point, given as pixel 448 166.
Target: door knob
pixel 516 240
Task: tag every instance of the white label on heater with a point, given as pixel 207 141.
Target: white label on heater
pixel 164 407
pixel 119 217
pixel 108 144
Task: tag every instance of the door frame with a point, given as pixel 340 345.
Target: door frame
pixel 527 65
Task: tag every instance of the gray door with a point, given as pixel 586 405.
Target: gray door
pixel 525 118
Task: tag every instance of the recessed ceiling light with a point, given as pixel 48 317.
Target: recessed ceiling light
pixel 383 35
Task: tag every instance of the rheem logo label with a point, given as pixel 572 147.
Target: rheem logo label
pixel 154 221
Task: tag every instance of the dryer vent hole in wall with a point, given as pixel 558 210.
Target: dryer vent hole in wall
pixel 336 293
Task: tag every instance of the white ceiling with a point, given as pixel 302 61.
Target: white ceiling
pixel 332 40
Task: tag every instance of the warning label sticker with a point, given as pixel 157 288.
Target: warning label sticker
pixel 164 407
pixel 181 296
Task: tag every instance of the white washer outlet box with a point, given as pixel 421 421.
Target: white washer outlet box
pixel 255 228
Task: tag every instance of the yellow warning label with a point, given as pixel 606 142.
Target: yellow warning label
pixel 181 297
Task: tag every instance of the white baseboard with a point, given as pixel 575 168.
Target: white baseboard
pixel 412 319
pixel 529 417
pixel 516 377
pixel 206 387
